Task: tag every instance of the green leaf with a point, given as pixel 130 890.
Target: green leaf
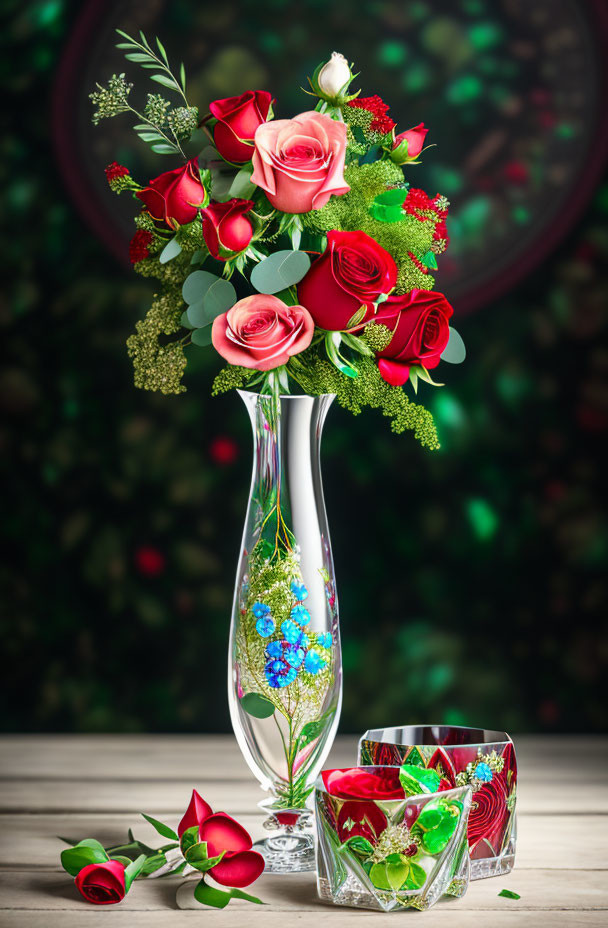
pixel 509 894
pixel 196 285
pixel 137 56
pixel 260 707
pixel 287 296
pixel 89 851
pixel 188 838
pixel 161 49
pixel 197 857
pixel 388 206
pixel 416 780
pixel 379 876
pixel 414 378
pixel 154 863
pixel 161 828
pixel 164 80
pixel 312 730
pixel 125 861
pixel 185 321
pixel 182 76
pixel 429 260
pixel 359 845
pixel 416 877
pixel 199 256
pixel 171 250
pixel 208 895
pixel 423 374
pixel 239 894
pixel 133 870
pixel 162 148
pixel 280 270
pixel 202 337
pixel 241 186
pixel 357 317
pixel 397 873
pixel 455 351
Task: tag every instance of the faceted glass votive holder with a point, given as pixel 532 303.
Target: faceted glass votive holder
pixel 483 759
pixel 391 854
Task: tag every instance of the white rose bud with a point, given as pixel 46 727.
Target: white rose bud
pixel 334 75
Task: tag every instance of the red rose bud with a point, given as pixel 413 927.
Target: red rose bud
pixel 102 884
pixel 419 321
pixel 140 245
pixel 408 145
pixel 175 196
pixel 237 120
pixel 226 230
pixel 353 271
pixel 240 865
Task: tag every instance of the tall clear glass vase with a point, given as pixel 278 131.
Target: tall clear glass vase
pixel 285 671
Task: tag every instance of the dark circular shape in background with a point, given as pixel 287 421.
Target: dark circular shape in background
pixel 512 93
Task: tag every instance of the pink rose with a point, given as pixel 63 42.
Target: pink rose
pixel 262 332
pixel 300 162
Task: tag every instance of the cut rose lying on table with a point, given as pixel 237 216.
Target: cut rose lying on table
pixel 213 843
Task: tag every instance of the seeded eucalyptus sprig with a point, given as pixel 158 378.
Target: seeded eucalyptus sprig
pixel 142 54
pixel 162 126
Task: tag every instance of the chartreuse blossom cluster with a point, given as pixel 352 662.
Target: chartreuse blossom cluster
pixel 237 216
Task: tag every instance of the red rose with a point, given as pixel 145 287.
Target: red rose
pixel 362 783
pixel 237 120
pixel 226 230
pixel 352 271
pixel 102 884
pixel 408 145
pixel 488 814
pixel 421 331
pixel 175 196
pixel 361 818
pixel 239 866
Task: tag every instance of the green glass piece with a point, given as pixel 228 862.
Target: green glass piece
pixel 379 876
pixel 415 780
pixel 415 758
pixel 429 260
pixel 416 877
pixel 437 822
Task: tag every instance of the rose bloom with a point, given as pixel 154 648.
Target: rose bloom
pixel 414 143
pixel 363 783
pixel 237 120
pixel 226 229
pixel 352 271
pixel 362 818
pixel 300 162
pixel 262 332
pixel 240 865
pixel 419 321
pixel 175 196
pixel 102 884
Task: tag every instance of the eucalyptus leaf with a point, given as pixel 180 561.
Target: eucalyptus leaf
pixel 165 81
pixel 202 337
pixel 280 270
pixel 165 830
pixel 171 250
pixel 185 321
pixel 196 285
pixel 455 351
pixel 257 705
pixel 219 298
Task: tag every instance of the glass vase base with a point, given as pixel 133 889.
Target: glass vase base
pixel 287 853
pixel 492 866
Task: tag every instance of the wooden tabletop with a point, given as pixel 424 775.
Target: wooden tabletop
pixel 95 786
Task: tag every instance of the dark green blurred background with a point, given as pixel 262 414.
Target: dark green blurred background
pixel 472 581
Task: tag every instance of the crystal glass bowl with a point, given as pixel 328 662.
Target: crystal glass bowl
pixel 483 759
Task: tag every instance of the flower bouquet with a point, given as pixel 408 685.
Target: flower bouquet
pixel 297 251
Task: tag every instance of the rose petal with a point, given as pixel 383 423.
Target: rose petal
pixel 197 811
pixel 238 869
pixel 393 372
pixel 223 833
